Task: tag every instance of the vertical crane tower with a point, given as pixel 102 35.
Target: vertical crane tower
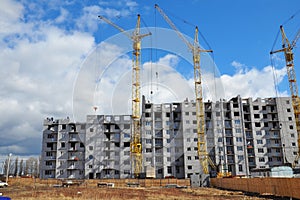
pixel 287 48
pixel 195 48
pixel 135 144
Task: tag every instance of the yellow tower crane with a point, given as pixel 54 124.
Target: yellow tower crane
pixel 135 144
pixel 287 48
pixel 195 48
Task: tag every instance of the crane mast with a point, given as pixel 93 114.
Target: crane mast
pixel 287 48
pixel 195 48
pixel 135 143
pixel 202 152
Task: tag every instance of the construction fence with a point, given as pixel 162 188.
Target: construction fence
pixel 93 182
pixel 283 187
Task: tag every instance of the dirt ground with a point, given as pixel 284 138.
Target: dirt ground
pixel 94 193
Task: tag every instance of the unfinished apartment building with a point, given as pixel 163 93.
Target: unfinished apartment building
pixel 243 136
pixel 251 135
pixel 107 153
pixel 98 148
pixel 63 149
pixel 170 139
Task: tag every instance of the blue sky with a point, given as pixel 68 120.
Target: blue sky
pixel 46 47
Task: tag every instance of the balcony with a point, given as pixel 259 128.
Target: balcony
pixel 249 137
pixel 51 140
pixel 109 149
pixel 71 176
pixel 107 130
pixel 159 135
pixel 228 125
pixel 50 158
pixel 229 134
pixel 274 145
pixel 74 139
pixel 272 110
pixel 157 145
pixel 63 156
pixel 50 176
pixel 252 164
pixel 274 137
pixel 251 154
pixel 49 167
pixel 51 149
pixel 110 166
pixel 230 161
pixel 276 128
pixel 276 154
pixel 73 167
pixel 72 149
pixel 109 158
pixel 75 158
pixel 157 108
pixel 177 119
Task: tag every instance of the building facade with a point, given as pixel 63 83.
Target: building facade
pixel 98 148
pixel 107 145
pixel 243 136
pixel 63 149
pixel 170 139
pixel 246 135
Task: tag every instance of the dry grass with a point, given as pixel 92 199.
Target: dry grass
pixel 21 190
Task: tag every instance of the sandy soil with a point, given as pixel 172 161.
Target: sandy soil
pixel 84 192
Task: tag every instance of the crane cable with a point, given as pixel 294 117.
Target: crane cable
pixel 201 36
pixel 291 17
pixel 275 79
pixel 151 59
pixel 156 61
pixel 190 24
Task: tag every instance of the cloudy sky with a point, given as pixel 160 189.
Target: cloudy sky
pixel 58 59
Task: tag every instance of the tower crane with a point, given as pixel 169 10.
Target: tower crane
pixel 287 48
pixel 195 48
pixel 135 143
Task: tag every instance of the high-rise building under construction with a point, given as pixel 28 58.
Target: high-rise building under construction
pixel 243 136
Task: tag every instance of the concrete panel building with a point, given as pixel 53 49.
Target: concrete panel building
pixel 98 148
pixel 248 135
pixel 63 149
pixel 170 139
pixel 107 143
pixel 243 136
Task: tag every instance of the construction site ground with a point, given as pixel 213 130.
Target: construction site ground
pixel 40 190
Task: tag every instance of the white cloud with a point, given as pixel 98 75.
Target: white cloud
pixel 10 13
pixel 239 67
pixel 131 5
pixel 89 20
pixel 37 69
pixel 169 60
pixel 63 16
pixel 112 93
pixel 253 83
pixel 237 64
